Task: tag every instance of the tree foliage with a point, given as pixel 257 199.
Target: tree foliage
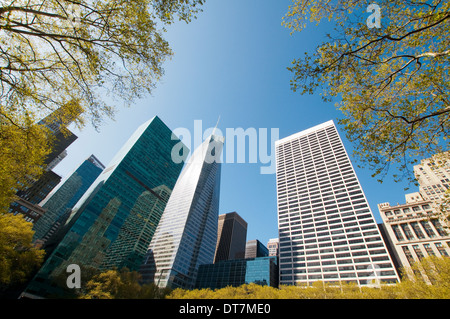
pixel 18 257
pixel 427 279
pixel 73 55
pixel 392 82
pixel 123 284
pixel 22 153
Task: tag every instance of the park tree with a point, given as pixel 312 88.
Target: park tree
pixel 120 284
pixel 71 55
pixel 428 278
pixel 387 67
pixel 18 257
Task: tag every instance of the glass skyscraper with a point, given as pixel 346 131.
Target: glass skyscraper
pixel 187 233
pixel 326 229
pixel 114 222
pixel 59 204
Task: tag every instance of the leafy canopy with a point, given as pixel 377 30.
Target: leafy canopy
pixel 72 55
pixel 392 82
pixel 18 257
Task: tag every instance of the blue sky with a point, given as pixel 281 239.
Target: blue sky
pixel 231 62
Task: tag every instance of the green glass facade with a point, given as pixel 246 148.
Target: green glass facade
pixel 65 197
pixel 261 271
pixel 113 223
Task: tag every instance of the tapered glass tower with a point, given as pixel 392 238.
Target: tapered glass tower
pixel 187 233
pixel 326 228
pixel 113 223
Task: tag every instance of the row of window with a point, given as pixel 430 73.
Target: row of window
pixel 341 250
pixel 289 165
pixel 327 158
pixel 328 279
pixel 407 210
pixel 332 222
pixel 418 230
pixel 309 142
pixel 302 185
pixel 312 268
pixel 419 251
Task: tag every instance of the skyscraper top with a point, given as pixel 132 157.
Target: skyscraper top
pixel 307 131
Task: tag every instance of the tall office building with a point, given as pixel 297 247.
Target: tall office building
pixel 187 233
pixel 114 221
pixel 231 237
pixel 326 229
pixel 59 204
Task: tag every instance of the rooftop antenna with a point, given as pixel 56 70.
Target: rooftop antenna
pixel 214 130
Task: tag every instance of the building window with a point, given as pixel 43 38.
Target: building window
pixel 439 227
pixel 418 252
pixel 407 231
pixel 417 230
pixel 428 229
pixel 429 250
pixel 408 254
pixel 441 249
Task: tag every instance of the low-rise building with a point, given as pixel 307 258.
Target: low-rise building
pixel 414 229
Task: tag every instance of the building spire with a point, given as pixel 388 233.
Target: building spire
pixel 215 127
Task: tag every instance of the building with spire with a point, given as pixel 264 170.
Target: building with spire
pixel 187 233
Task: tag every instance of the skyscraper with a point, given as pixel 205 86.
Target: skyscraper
pixel 114 221
pixel 326 228
pixel 65 197
pixel 187 233
pixel 231 237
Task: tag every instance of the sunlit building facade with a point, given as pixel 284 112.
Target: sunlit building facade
pixel 415 230
pixel 326 229
pixel 187 233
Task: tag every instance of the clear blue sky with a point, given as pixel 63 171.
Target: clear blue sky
pixel 231 62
